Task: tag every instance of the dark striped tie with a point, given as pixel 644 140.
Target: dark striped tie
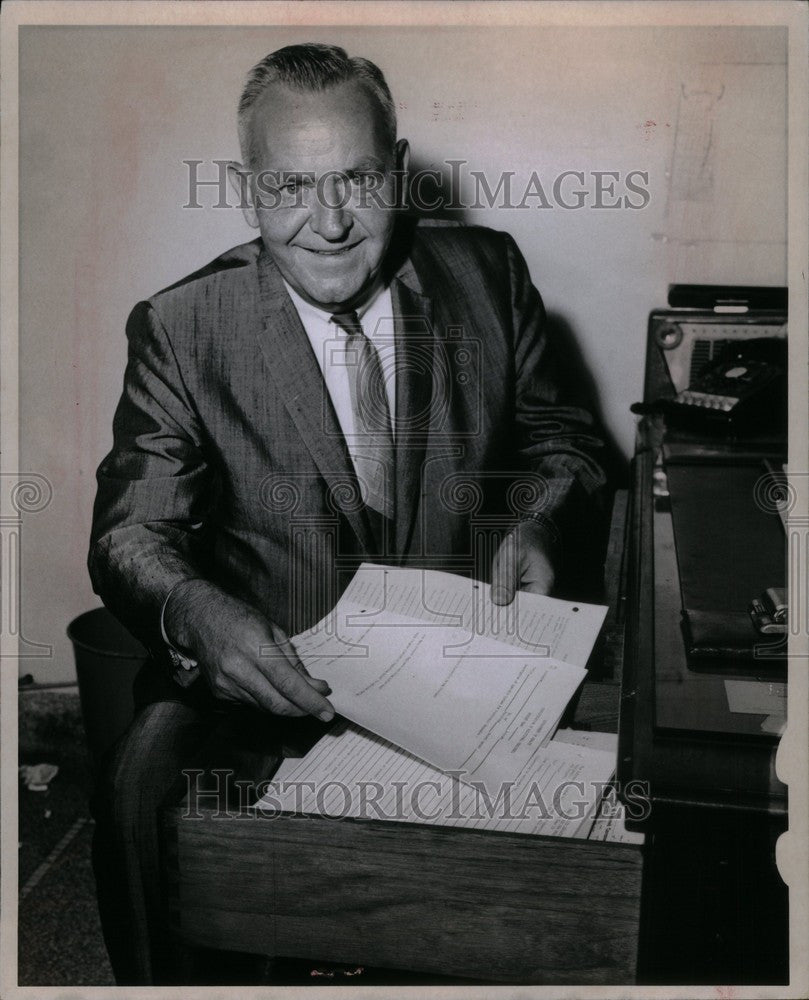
pixel 372 441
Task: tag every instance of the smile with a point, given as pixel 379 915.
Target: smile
pixel 331 253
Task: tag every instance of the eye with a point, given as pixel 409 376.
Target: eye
pixel 363 178
pixel 291 184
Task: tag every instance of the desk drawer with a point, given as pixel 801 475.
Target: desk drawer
pixel 495 906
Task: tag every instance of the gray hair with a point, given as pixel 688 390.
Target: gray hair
pixel 311 67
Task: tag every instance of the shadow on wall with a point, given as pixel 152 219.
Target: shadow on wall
pixel 435 193
pixel 431 194
pixel 576 373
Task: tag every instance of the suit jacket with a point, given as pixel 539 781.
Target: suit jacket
pixel 228 462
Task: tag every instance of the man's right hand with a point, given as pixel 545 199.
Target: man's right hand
pixel 243 656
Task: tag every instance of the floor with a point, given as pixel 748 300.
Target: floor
pixel 59 933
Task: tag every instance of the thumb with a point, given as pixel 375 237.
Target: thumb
pixel 504 572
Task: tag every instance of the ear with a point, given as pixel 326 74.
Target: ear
pixel 402 165
pixel 241 180
pixel 403 155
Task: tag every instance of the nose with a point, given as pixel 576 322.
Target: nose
pixel 330 217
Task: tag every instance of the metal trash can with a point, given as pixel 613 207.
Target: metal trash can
pixel 108 657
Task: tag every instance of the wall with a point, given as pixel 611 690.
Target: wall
pixel 107 116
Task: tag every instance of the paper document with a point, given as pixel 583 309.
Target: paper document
pixel 587 738
pixel 756 697
pixel 610 822
pixel 562 629
pixel 351 772
pixel 774 724
pixel 464 702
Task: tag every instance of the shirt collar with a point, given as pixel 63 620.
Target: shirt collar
pixel 307 311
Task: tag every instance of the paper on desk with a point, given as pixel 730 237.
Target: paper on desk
pixel 471 707
pixel 351 772
pixel 587 738
pixel 774 724
pixel 461 702
pixel 562 629
pixel 426 660
pixel 610 822
pixel 756 697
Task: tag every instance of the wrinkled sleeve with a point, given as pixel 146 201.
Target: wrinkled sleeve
pixel 154 487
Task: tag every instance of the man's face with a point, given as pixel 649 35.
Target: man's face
pixel 324 230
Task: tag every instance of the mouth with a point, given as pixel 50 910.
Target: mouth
pixel 332 251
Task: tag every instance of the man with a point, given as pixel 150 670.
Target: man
pixel 333 392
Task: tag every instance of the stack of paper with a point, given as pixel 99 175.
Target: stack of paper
pixel 455 701
pixel 351 772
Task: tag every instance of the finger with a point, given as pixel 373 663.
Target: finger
pixel 538 576
pixel 295 688
pixel 265 697
pixel 237 691
pixel 243 680
pixel 538 583
pixel 285 646
pixel 504 572
pixel 253 687
pixel 320 685
pixel 316 682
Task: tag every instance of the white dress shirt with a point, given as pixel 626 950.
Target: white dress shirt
pixel 328 342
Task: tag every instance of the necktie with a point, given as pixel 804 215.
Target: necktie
pixel 372 442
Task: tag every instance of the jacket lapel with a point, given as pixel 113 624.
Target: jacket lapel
pixel 297 376
pixel 415 356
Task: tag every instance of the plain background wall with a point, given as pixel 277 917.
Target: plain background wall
pixel 107 116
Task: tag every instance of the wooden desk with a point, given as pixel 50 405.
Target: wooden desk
pixel 487 906
pixel 483 906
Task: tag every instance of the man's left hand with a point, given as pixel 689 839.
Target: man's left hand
pixel 522 563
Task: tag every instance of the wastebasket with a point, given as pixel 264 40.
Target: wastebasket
pixel 108 657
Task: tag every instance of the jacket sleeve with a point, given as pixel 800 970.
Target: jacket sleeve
pixel 556 437
pixel 154 487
